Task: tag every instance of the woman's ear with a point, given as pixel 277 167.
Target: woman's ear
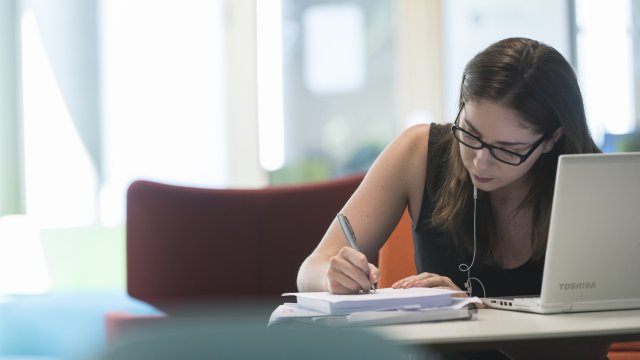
pixel 551 141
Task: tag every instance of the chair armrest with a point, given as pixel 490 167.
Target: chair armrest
pixel 118 323
pixel 628 350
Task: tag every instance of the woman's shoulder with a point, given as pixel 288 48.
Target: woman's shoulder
pixel 421 132
pixel 407 155
pixel 411 145
pixel 415 135
pixel 418 137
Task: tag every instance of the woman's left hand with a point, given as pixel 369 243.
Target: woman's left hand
pixel 431 280
pixel 428 280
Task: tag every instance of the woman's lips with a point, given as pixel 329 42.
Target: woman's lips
pixel 481 179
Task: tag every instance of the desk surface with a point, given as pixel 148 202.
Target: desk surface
pixel 495 327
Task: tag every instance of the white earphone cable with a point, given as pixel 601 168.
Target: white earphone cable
pixel 465 267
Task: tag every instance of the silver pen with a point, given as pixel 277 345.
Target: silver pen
pixel 351 236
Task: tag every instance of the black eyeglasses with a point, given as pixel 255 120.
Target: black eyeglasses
pixel 498 153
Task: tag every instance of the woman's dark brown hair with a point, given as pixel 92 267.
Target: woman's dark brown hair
pixel 536 81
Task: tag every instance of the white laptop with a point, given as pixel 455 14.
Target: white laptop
pixel 593 251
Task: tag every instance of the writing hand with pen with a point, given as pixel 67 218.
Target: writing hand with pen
pixel 349 271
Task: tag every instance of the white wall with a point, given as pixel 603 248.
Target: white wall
pixel 419 67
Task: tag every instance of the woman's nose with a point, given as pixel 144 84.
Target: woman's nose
pixel 482 158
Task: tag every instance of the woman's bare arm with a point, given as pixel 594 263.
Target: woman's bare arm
pixel 394 181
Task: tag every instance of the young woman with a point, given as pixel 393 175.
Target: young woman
pixel 520 107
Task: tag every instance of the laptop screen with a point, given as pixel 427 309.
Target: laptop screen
pixel 594 237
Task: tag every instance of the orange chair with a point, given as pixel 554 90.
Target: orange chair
pixel 624 351
pixel 396 262
pixel 395 258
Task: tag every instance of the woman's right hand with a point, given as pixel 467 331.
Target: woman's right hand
pixel 350 272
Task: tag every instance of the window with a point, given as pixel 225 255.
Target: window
pixel 337 63
pixel 606 62
pixel 141 96
pixel 163 101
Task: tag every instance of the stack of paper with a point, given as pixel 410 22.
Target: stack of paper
pixel 381 299
pixel 383 307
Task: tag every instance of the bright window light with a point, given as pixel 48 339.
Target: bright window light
pixel 60 178
pixel 605 65
pixel 23 269
pixel 269 73
pixel 163 95
pixel 339 27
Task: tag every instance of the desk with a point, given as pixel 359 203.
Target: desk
pixel 495 328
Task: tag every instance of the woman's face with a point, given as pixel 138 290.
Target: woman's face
pixel 503 127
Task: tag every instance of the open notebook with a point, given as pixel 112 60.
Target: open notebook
pixel 593 250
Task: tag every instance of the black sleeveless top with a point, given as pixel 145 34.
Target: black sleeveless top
pixel 435 253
